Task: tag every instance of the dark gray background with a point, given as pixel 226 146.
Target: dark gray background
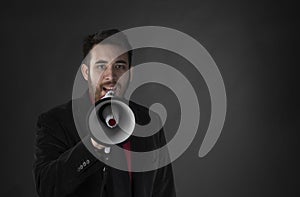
pixel 254 43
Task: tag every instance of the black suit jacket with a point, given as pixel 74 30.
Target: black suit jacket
pixel 65 166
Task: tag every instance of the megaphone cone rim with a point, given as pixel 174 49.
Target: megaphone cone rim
pixel 94 107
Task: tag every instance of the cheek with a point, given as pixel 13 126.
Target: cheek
pixel 123 78
pixel 95 78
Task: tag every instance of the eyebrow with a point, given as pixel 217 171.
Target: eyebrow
pixel 121 61
pixel 101 62
pixel 105 62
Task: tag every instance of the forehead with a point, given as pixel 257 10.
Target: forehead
pixel 108 52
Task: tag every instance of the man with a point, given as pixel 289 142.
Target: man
pixel 66 157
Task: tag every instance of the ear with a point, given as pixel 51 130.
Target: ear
pixel 85 71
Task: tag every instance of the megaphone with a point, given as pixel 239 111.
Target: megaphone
pixel 111 121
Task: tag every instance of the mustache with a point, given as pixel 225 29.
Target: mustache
pixel 111 83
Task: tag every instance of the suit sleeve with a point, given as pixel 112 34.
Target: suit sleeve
pixel 164 185
pixel 58 169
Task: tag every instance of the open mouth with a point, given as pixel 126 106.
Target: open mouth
pixel 111 87
pixel 106 89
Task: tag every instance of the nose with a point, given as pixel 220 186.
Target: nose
pixel 109 74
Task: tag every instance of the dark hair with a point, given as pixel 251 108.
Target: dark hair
pixel 120 40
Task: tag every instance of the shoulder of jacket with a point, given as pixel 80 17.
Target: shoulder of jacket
pixel 58 113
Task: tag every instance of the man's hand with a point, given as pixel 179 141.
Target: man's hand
pixel 96 145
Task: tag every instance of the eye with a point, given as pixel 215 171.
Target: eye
pixel 101 66
pixel 120 66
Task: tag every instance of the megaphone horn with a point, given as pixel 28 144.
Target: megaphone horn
pixel 111 121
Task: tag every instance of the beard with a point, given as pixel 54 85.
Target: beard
pixel 98 90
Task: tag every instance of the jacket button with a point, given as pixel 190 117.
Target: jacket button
pixel 87 161
pixel 84 164
pixel 81 167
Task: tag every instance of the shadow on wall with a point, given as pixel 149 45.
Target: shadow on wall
pixel 13 190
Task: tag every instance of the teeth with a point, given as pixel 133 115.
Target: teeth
pixel 109 88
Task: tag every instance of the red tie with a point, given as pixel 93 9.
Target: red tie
pixel 126 146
